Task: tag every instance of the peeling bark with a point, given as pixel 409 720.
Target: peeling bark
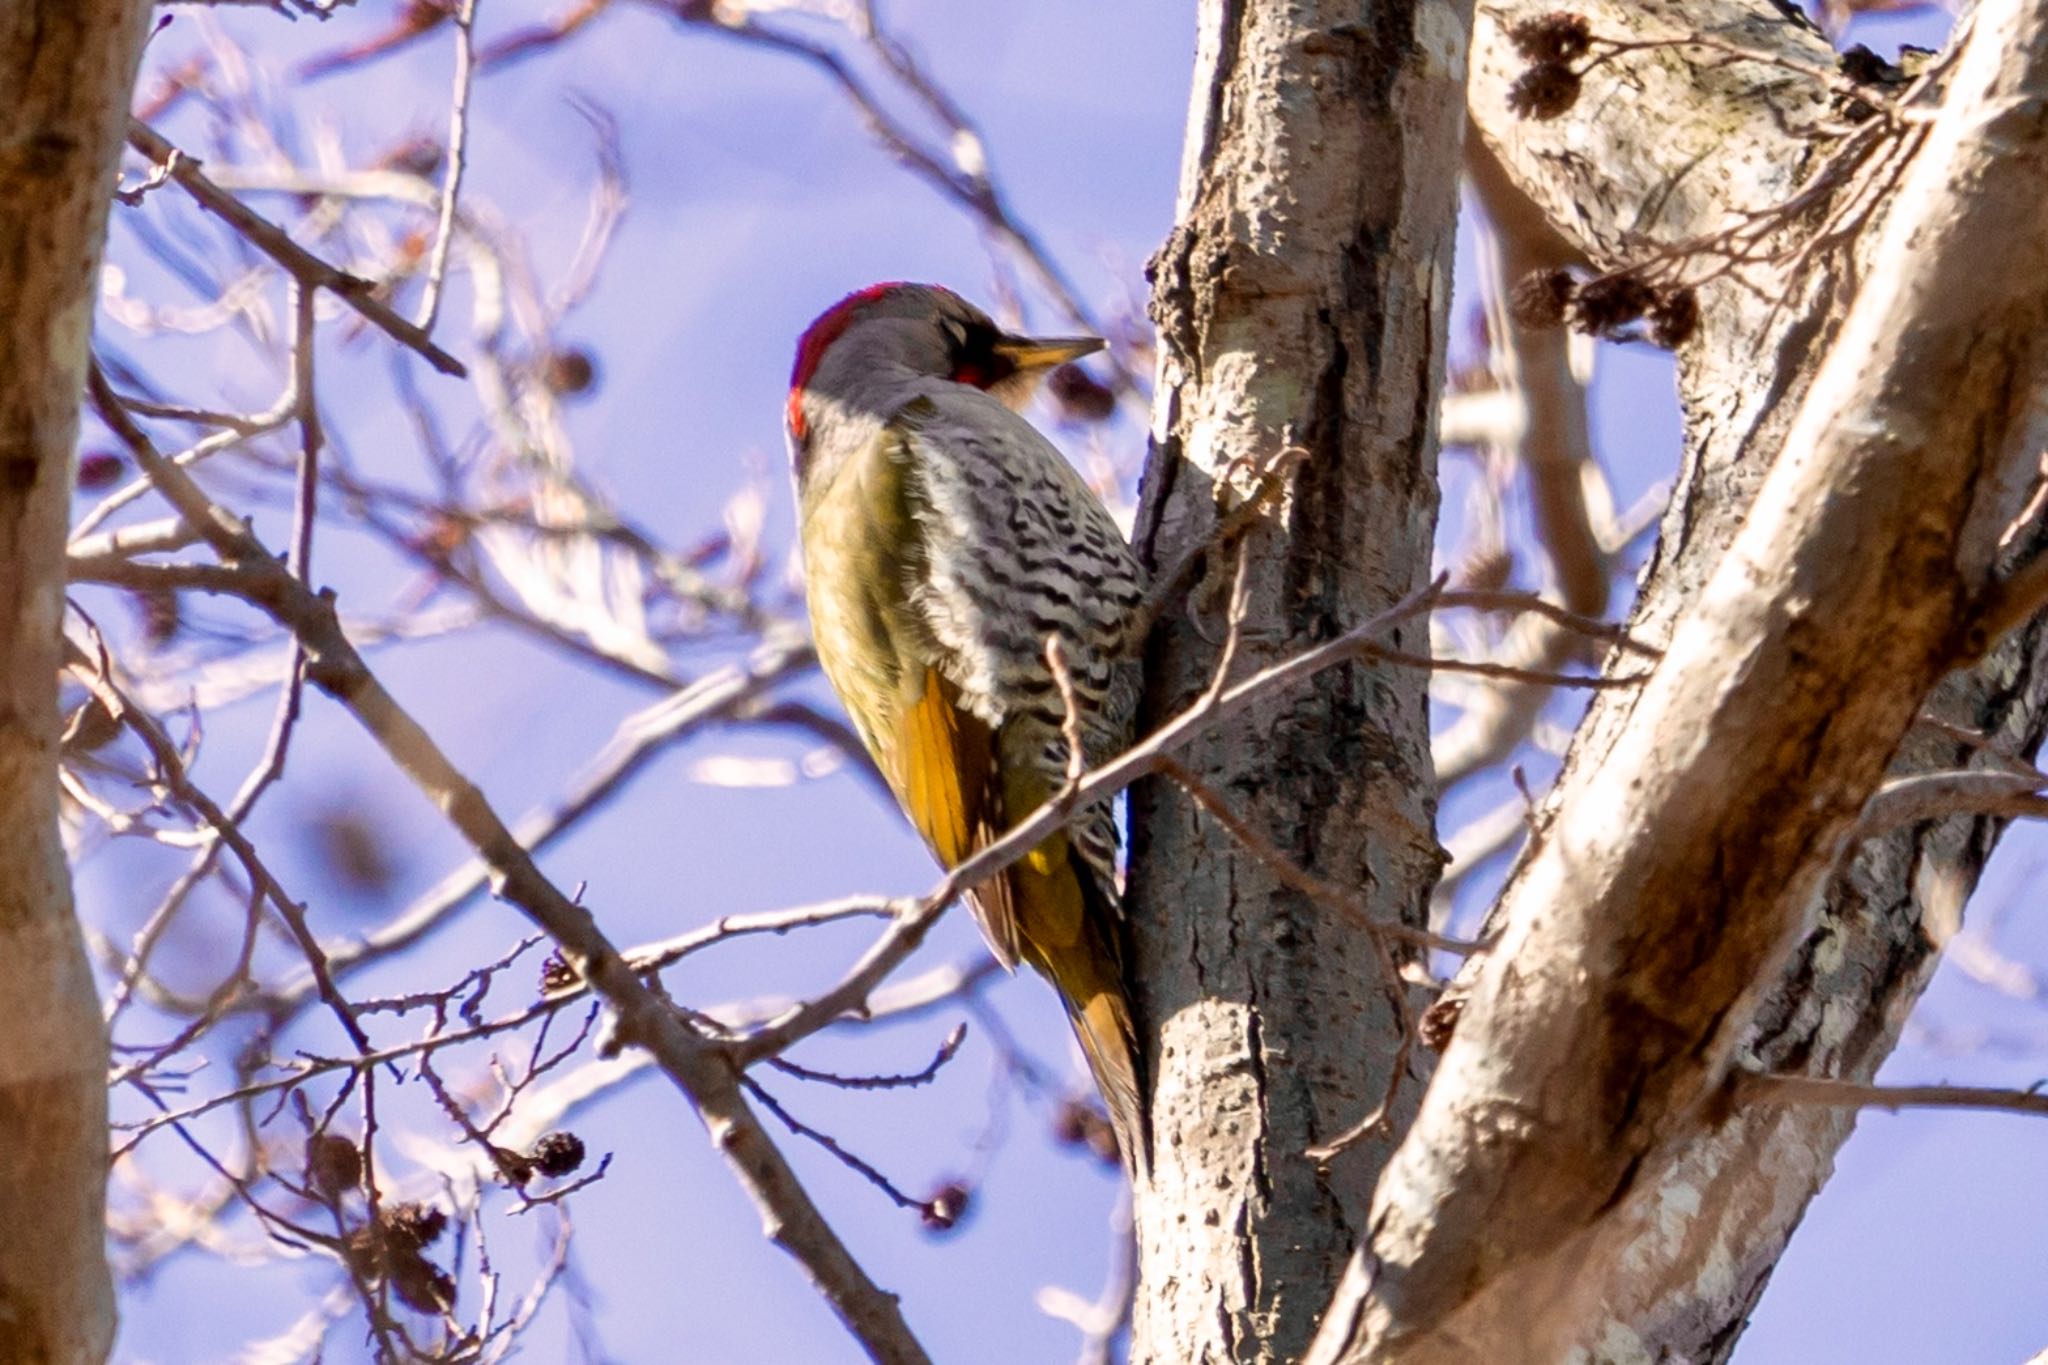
pixel 68 66
pixel 1301 303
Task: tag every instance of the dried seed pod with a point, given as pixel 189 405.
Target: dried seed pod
pixel 557 1154
pixel 1543 92
pixel 1559 36
pixel 334 1165
pixel 1541 298
pixel 1439 1021
pixel 99 469
pixel 1079 395
pixel 1675 318
pixel 948 1204
pixel 422 1285
pixel 414 1225
pixel 1610 302
pixel 556 974
pixel 569 371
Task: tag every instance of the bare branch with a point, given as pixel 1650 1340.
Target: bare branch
pixel 457 159
pixel 789 1217
pixel 1752 1087
pixel 914 918
pixel 1552 449
pixel 904 1081
pixel 308 269
pixel 2011 603
pixel 1665 890
pixel 1906 801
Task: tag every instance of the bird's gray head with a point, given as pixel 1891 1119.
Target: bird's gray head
pixel 880 347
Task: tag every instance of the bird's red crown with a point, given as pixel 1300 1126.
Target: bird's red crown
pixel 810 348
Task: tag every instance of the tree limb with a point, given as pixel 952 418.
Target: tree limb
pixel 70 65
pixel 1658 898
pixel 1301 303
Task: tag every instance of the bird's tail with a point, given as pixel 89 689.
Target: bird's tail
pixel 1089 974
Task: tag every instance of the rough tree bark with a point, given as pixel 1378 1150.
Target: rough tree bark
pixel 1715 1219
pixel 1301 305
pixel 66 67
pixel 1565 1185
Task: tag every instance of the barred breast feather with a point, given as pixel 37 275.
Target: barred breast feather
pixel 1016 548
pixel 938 561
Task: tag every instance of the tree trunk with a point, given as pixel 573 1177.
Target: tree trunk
pixel 69 66
pixel 1725 1207
pixel 1567 1184
pixel 1301 305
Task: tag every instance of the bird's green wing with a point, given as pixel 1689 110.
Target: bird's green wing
pixel 863 542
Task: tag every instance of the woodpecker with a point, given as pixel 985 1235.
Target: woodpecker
pixel 944 541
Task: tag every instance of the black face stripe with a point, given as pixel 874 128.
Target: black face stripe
pixel 975 359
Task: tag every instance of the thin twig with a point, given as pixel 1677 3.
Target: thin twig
pixel 275 243
pixel 167 758
pixel 866 1170
pixel 914 917
pixel 457 157
pixel 1772 1088
pixel 906 1081
pixel 1268 854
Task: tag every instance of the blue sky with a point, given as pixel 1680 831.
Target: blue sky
pixel 756 200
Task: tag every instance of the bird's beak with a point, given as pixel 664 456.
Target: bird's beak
pixel 1042 353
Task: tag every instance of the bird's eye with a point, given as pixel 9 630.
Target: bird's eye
pixel 955 330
